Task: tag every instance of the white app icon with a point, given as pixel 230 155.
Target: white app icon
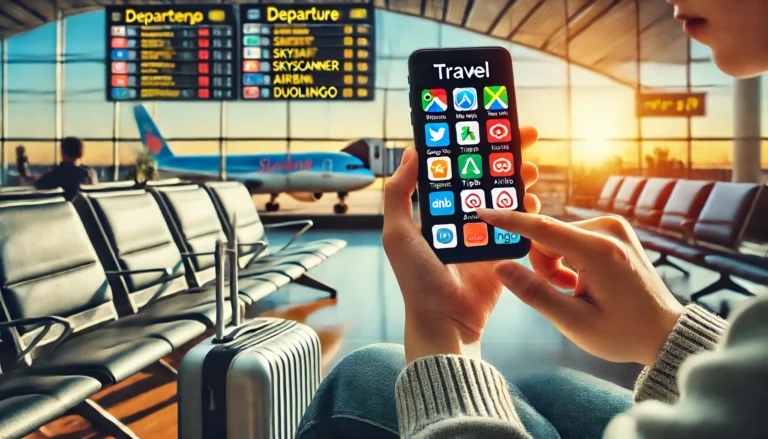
pixel 437 135
pixel 504 198
pixel 444 236
pixel 464 99
pixel 252 53
pixel 439 168
pixel 468 133
pixel 472 199
pixel 118 31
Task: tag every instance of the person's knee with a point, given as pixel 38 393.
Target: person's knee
pixel 381 356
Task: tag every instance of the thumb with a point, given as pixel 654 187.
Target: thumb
pixel 560 308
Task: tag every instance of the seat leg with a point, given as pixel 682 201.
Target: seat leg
pixel 724 283
pixel 310 282
pixel 663 260
pixel 103 421
pixel 167 367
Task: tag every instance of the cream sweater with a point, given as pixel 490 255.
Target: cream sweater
pixel 710 381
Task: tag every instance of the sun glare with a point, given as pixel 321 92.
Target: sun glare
pixel 593 151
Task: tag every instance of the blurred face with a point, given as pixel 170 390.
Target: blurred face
pixel 735 30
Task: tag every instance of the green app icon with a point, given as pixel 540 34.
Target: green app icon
pixel 495 98
pixel 470 166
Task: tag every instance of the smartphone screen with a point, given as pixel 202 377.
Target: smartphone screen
pixel 465 127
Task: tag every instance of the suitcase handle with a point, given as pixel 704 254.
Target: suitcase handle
pixel 252 326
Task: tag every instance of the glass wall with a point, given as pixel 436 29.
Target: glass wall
pixel 586 120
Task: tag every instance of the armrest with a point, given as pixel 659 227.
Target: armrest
pixel 655 216
pixel 193 254
pixel 50 321
pixel 260 247
pixel 307 224
pixel 687 225
pixel 168 271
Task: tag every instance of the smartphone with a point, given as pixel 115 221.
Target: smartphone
pixel 465 127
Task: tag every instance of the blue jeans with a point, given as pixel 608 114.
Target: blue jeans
pixel 357 400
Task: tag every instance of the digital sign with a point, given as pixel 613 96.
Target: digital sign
pixel 172 52
pixel 671 104
pixel 307 52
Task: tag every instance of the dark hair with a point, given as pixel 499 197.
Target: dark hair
pixel 72 147
pixel 20 150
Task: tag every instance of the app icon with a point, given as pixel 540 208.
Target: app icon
pixel 253 14
pixel 118 31
pixel 119 81
pixel 495 98
pixel 475 234
pixel 472 199
pixel 434 100
pixel 444 236
pixel 252 53
pixel 498 130
pixel 250 66
pixel 439 168
pixel 255 79
pixel 467 133
pixel 251 28
pixel 251 40
pixel 502 164
pixel 470 166
pixel 501 236
pixel 251 92
pixel 119 54
pixel 119 43
pixel 437 134
pixel 441 203
pixel 464 99
pixel 504 198
pixel 120 67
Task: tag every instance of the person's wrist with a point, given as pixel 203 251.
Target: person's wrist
pixel 665 329
pixel 427 336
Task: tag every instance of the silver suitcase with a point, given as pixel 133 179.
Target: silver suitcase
pixel 253 381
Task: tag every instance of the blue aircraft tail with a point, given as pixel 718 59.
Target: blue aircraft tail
pixel 150 135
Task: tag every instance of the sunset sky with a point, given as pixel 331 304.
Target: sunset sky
pixel 602 110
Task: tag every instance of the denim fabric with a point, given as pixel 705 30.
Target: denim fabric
pixel 357 400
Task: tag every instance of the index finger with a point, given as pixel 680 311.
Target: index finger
pixel 555 235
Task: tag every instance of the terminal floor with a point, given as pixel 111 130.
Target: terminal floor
pixel 369 309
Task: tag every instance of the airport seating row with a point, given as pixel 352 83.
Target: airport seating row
pixel 719 226
pixel 97 289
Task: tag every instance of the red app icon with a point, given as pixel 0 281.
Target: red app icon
pixel 475 234
pixel 498 130
pixel 202 42
pixel 119 43
pixel 120 67
pixel 202 54
pixel 203 81
pixel 119 81
pixel 203 32
pixel 251 92
pixel 203 93
pixel 502 164
pixel 250 66
pixel 202 67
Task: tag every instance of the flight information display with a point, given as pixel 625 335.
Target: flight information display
pixel 172 52
pixel 307 52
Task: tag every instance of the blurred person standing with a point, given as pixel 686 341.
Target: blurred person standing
pixel 70 173
pixel 22 166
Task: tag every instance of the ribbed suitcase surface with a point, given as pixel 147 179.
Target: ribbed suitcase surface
pixel 256 383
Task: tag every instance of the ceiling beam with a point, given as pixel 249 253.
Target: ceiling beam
pixel 445 9
pixel 30 11
pixel 595 19
pixel 500 17
pixel 525 19
pixel 467 11
pixel 572 19
pixel 11 18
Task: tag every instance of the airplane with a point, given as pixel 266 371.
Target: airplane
pixel 305 176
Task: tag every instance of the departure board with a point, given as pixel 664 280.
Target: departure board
pixel 172 52
pixel 307 52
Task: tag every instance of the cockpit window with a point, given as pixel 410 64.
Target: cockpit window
pixel 352 167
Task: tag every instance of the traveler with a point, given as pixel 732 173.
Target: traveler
pixel 71 172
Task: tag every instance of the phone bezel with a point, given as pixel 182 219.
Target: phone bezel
pixel 417 63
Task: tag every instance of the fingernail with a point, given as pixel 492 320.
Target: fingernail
pixel 506 271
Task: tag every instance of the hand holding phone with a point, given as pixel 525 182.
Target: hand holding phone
pixel 465 126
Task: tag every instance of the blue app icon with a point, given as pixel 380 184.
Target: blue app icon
pixel 119 54
pixel 254 79
pixel 437 134
pixel 441 203
pixel 501 236
pixel 465 99
pixel 444 235
pixel 119 93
